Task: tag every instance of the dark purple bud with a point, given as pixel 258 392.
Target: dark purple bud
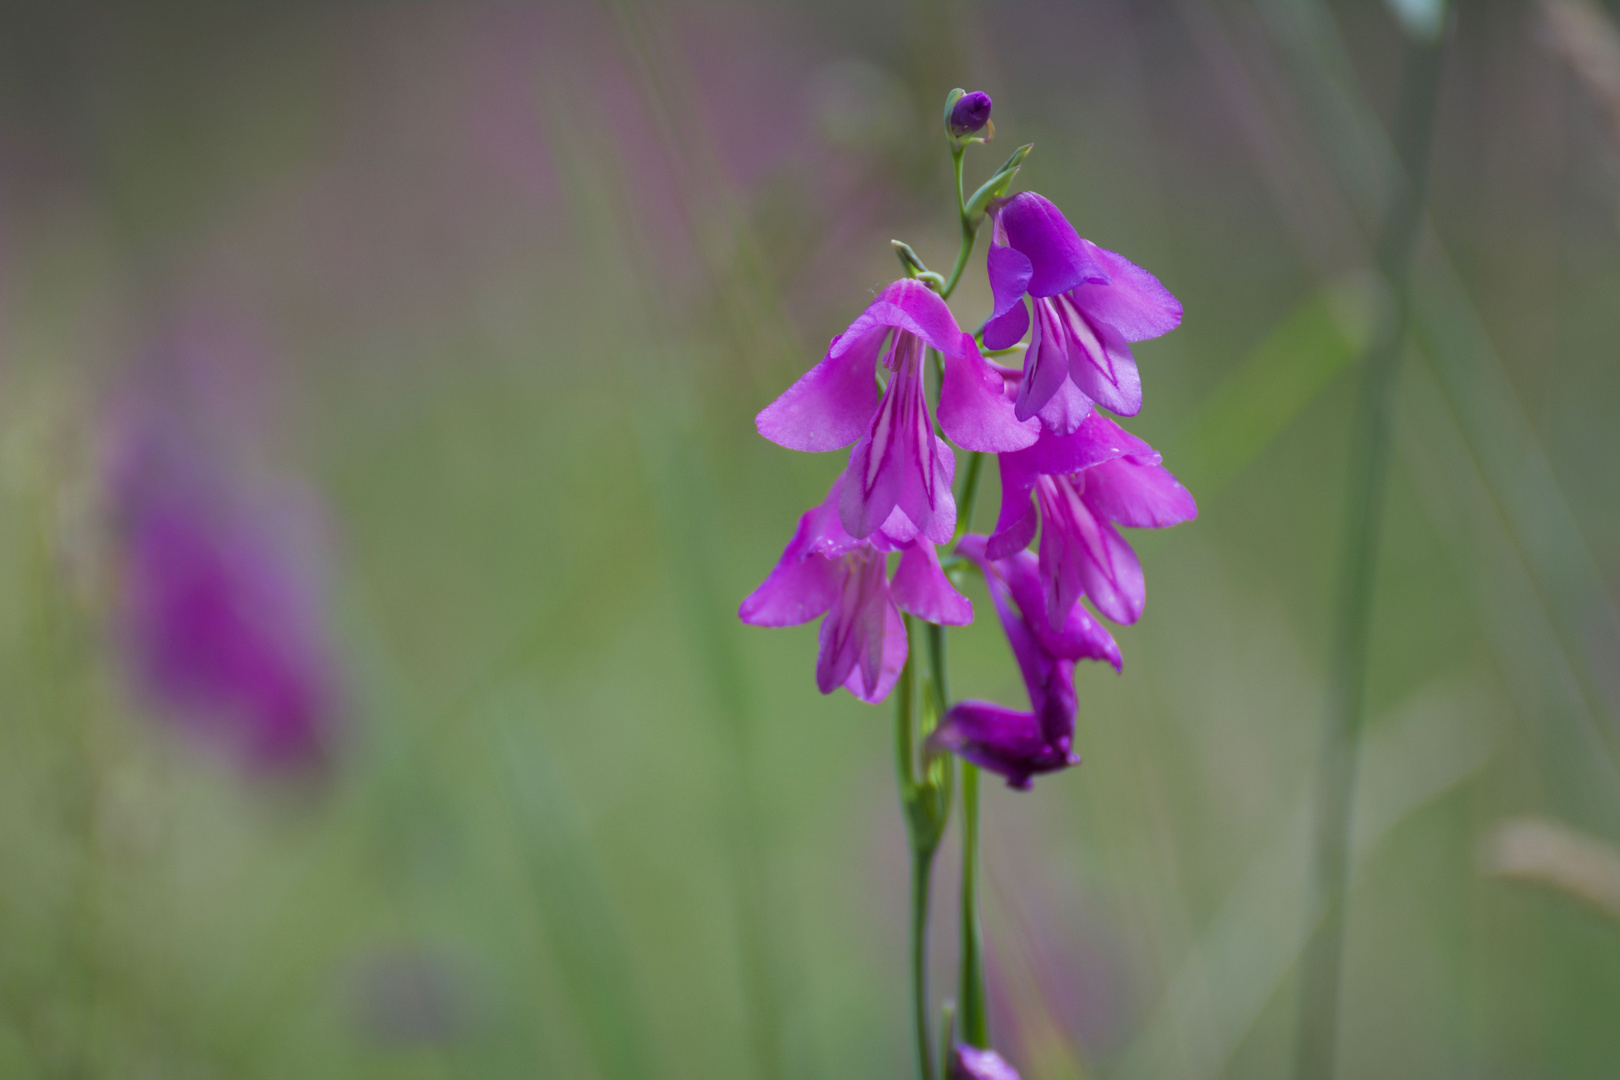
pixel 971 1063
pixel 970 113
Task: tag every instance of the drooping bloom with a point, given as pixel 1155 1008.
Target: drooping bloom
pixel 1021 744
pixel 1089 303
pixel 217 616
pixel 971 1063
pixel 826 570
pixel 970 113
pixel 899 475
pixel 1084 484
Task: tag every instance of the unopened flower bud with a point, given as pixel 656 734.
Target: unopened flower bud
pixel 970 113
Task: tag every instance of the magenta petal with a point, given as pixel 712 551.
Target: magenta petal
pixel 1015 527
pixel 797 590
pixel 1005 331
pixel 1062 562
pixel 1080 637
pixel 1111 575
pixel 1065 410
pixel 870 489
pixel 1100 360
pixel 893 660
pixel 1133 302
pixel 852 632
pixel 1059 259
pixel 822 533
pixel 1116 584
pixel 1142 496
pixel 1119 441
pixel 913 307
pixel 1096 440
pixel 1081 553
pixel 900 463
pixel 1046 364
pixel 1008 742
pixel 975 412
pixel 831 404
pixel 921 588
pixel 896 532
pixel 1009 271
pixel 925 490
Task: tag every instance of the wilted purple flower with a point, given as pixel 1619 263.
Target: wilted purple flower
pixel 1090 303
pixel 971 1063
pixel 1084 484
pixel 217 622
pixel 1014 744
pixel 970 113
pixel 863 639
pixel 899 475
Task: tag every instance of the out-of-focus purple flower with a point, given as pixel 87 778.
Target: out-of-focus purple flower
pixel 826 570
pixel 1085 483
pixel 219 625
pixel 1014 744
pixel 899 476
pixel 970 113
pixel 1089 303
pixel 971 1063
pixel 408 998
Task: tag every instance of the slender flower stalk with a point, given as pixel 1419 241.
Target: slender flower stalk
pixel 925 801
pixel 975 1021
pixel 1317 1046
pixel 971 959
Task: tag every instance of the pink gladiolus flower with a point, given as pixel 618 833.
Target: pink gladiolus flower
pixel 1085 483
pixel 826 570
pixel 1014 744
pixel 1089 303
pixel 900 473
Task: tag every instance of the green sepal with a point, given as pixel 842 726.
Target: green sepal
pixel 997 185
pixel 912 265
pixel 914 268
pixel 950 103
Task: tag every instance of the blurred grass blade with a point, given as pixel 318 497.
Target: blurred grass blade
pixel 1582 616
pixel 1532 505
pixel 1541 675
pixel 1437 740
pixel 1253 405
pixel 660 378
pixel 574 906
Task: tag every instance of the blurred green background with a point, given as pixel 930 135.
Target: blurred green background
pixel 500 289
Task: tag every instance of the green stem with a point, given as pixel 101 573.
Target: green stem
pixel 919 804
pixel 905 755
pixel 1321 974
pixel 970 495
pixel 936 667
pixel 913 796
pixel 974 1028
pixel 970 231
pixel 922 863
